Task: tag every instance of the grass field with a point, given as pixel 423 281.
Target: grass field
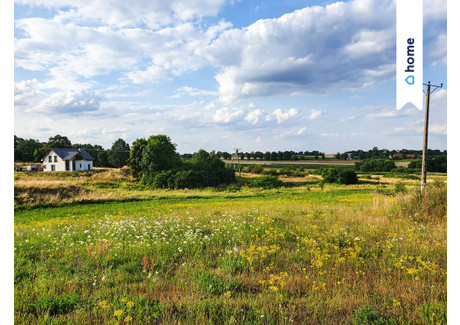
pixel 98 248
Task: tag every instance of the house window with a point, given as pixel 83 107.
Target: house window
pixel 53 168
pixel 80 166
pixel 55 158
pixel 50 159
pixel 89 166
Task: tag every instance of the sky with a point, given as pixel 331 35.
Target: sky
pixel 223 74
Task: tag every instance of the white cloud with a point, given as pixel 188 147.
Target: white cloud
pixel 226 115
pixel 254 116
pixel 68 103
pixel 302 131
pixel 440 129
pixel 315 114
pixel 282 116
pixel 191 91
pixel 312 50
pixel 386 114
pixel 127 14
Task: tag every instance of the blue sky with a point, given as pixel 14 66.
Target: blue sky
pixel 217 74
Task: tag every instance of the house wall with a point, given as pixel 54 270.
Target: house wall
pixel 80 165
pixel 59 165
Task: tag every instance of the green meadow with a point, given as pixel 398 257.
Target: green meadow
pixel 98 248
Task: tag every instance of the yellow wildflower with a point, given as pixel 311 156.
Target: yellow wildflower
pixel 118 312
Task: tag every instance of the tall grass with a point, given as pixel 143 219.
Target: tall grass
pixel 428 205
pixel 337 255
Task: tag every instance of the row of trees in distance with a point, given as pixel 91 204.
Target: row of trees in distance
pixel 375 153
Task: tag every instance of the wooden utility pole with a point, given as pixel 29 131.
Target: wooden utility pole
pixel 238 159
pixel 425 134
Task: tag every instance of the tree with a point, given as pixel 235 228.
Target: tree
pixel 135 157
pixel 103 159
pixel 119 153
pixel 59 141
pixel 159 154
pixel 25 150
pixel 39 154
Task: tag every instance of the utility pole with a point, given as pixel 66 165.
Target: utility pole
pixel 238 159
pixel 425 134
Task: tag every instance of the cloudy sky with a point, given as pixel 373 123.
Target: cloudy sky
pixel 218 74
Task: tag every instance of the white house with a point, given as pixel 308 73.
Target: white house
pixel 61 160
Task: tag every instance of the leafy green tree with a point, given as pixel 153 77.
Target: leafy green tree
pixel 334 175
pixel 102 159
pixel 25 150
pixel 59 141
pixel 135 157
pixel 159 154
pixel 39 154
pixel 119 153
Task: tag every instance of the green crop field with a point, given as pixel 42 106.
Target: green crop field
pixel 98 248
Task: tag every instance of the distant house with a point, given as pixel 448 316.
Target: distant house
pixel 61 160
pixel 403 156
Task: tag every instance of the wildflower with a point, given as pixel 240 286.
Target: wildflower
pixel 118 312
pixel 128 319
pixel 130 303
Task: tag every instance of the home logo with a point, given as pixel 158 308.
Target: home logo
pixel 409 53
pixel 410 80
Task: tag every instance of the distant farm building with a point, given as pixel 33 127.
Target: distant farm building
pixel 61 160
pixel 403 156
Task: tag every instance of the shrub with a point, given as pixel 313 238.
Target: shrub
pixel 400 187
pixel 254 168
pixel 334 175
pixel 272 172
pixel 347 177
pixel 266 182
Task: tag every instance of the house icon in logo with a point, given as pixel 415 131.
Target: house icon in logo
pixel 410 80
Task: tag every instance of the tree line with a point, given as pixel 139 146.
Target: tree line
pixel 376 153
pixel 274 155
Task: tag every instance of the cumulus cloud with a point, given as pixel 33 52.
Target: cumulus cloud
pixel 226 115
pixel 254 117
pixel 69 103
pixel 284 115
pixel 127 14
pixel 315 49
pixel 314 114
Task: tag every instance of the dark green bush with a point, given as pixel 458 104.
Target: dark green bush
pixel 339 176
pixel 254 168
pixel 272 172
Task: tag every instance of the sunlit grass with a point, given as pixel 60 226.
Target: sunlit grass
pixel 331 255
